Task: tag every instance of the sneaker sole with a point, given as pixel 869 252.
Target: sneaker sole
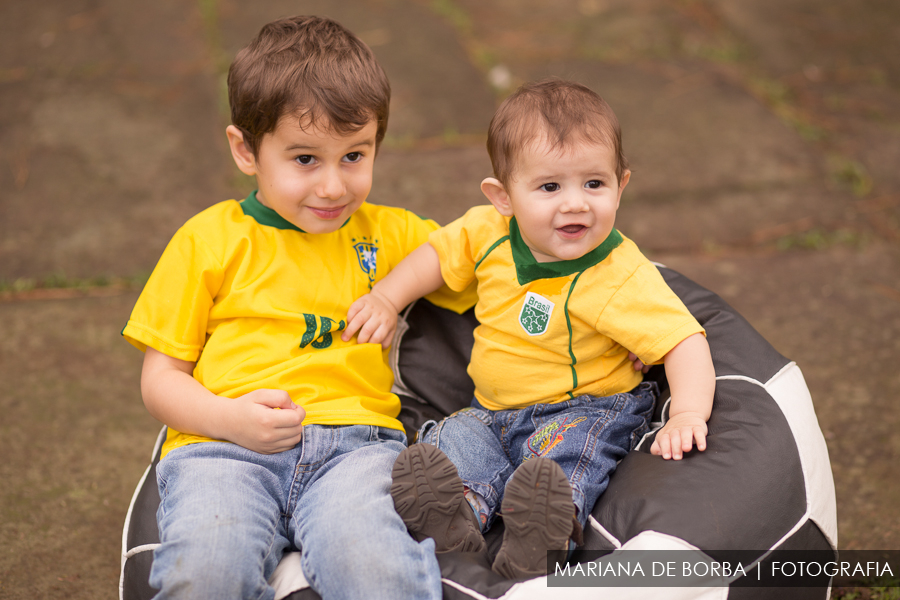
pixel 537 513
pixel 428 496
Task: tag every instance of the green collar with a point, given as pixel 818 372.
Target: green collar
pixel 264 215
pixel 528 269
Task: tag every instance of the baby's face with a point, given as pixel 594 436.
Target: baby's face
pixel 565 200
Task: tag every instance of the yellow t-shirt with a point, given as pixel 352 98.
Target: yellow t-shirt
pixel 552 331
pixel 258 303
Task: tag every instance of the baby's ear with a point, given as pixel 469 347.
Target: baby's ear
pixel 240 151
pixel 496 193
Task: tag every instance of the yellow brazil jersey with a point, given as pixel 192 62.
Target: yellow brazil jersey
pixel 552 331
pixel 258 303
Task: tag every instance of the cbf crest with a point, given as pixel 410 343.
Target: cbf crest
pixel 535 314
pixel 366 254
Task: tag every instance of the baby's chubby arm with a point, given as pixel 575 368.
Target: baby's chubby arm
pixel 692 381
pixel 174 397
pixel 375 314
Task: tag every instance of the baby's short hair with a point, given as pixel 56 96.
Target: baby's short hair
pixel 564 111
pixel 311 66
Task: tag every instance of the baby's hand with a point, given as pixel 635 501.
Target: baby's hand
pixel 678 436
pixel 637 363
pixel 374 317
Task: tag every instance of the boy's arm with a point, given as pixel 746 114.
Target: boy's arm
pixel 692 381
pixel 375 314
pixel 174 397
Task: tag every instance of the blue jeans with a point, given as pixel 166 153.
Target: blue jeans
pixel 587 436
pixel 227 515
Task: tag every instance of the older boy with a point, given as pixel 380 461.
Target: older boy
pixel 562 296
pixel 281 435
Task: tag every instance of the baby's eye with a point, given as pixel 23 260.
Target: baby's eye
pixel 550 187
pixel 353 157
pixel 305 159
pixel 594 184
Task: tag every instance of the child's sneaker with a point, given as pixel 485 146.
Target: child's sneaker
pixel 428 496
pixel 538 515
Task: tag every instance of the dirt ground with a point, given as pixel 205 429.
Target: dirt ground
pixel 764 137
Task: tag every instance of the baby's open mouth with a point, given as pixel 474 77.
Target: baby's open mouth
pixel 572 229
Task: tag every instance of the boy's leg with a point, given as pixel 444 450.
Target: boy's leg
pixel 468 440
pixel 429 496
pixel 354 543
pixel 219 513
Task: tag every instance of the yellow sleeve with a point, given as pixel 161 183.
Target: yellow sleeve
pixel 646 317
pixel 172 312
pixel 456 245
pixel 456 298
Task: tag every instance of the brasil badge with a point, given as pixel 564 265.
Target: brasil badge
pixel 366 254
pixel 535 314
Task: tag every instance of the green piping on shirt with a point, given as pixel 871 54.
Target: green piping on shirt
pixel 491 249
pixel 528 269
pixel 569 325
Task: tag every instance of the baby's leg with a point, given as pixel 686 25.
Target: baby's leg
pixel 219 522
pixel 472 446
pixel 354 543
pixel 587 437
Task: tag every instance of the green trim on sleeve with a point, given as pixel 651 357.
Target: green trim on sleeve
pixel 528 269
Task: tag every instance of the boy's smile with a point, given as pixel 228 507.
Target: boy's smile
pixel 564 200
pixel 314 178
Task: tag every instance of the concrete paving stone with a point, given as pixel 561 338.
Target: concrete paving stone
pixel 440 184
pixel 75 439
pixel 836 313
pixel 791 35
pixel 709 219
pixel 441 94
pixel 111 137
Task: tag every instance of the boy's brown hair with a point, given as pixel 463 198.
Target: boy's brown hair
pixel 564 111
pixel 312 67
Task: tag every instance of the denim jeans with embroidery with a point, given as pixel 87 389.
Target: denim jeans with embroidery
pixel 587 436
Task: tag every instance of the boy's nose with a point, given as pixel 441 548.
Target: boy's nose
pixel 331 185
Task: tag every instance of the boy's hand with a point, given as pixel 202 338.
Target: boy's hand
pixel 678 436
pixel 374 317
pixel 268 422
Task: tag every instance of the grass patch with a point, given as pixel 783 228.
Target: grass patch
pixel 852 174
pixel 820 239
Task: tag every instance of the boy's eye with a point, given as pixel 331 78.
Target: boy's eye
pixel 550 187
pixel 594 184
pixel 305 159
pixel 353 156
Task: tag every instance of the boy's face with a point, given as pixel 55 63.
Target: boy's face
pixel 313 177
pixel 564 200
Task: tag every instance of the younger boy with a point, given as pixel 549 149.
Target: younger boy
pixel 562 297
pixel 280 434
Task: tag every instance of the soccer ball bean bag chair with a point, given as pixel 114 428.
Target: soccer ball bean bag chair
pixel 763 485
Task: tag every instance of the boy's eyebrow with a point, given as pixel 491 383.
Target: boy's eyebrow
pixel 367 143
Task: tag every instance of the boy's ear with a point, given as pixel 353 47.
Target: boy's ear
pixel 496 193
pixel 240 151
